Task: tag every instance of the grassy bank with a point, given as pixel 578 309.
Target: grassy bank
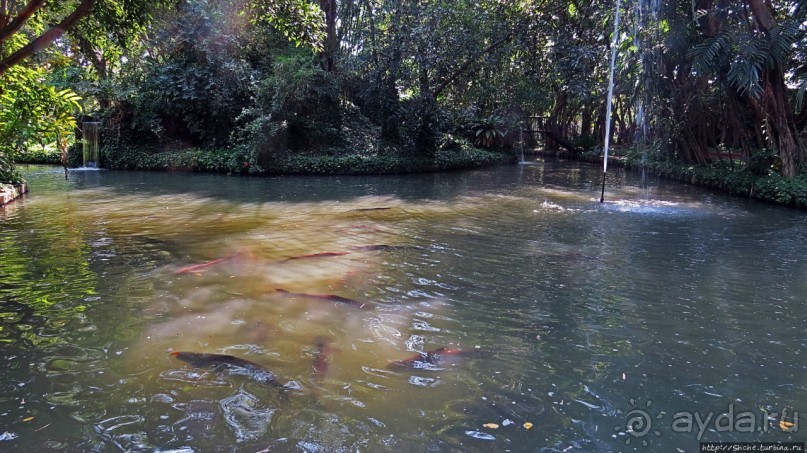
pixel 737 178
pixel 232 162
pixel 758 179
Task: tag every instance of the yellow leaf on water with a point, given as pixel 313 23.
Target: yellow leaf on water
pixel 491 425
pixel 527 425
pixel 27 419
pixel 784 425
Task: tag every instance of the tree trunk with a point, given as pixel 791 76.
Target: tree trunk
pixel 774 105
pixel 738 131
pixel 801 118
pixel 585 122
pixel 426 140
pixel 555 131
pixel 331 39
pixel 387 78
pixel 389 108
pixel 99 63
pixel 599 124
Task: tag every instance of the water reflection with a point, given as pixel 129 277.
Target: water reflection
pixel 662 294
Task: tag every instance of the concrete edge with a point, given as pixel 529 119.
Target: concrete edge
pixel 9 193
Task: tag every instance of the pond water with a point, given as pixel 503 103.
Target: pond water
pixel 583 327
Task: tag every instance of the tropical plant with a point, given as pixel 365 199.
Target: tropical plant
pixel 32 111
pixel 488 131
pixel 296 109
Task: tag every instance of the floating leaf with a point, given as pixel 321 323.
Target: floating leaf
pixel 480 435
pixel 27 419
pixel 785 425
pixel 491 425
pixel 527 425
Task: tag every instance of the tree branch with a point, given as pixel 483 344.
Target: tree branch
pixel 84 9
pixel 97 62
pixel 14 26
pixel 3 13
pixel 467 65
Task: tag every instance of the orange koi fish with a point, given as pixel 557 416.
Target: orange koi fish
pixel 198 267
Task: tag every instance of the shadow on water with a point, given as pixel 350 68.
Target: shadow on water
pixel 665 299
pixel 283 188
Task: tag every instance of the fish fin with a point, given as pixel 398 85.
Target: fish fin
pixel 291 385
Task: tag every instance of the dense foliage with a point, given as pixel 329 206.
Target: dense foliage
pixel 250 86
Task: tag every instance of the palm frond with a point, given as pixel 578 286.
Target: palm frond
pixel 744 75
pixel 708 56
pixel 780 42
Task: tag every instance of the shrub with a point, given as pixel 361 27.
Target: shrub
pixel 8 174
pixel 228 160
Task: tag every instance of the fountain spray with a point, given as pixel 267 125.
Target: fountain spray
pixel 614 44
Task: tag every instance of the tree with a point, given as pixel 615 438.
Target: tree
pixel 420 57
pixel 297 19
pixel 11 22
pixel 778 38
pixel 97 35
pixel 748 51
pixel 31 111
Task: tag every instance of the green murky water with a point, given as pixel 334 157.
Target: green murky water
pixel 575 317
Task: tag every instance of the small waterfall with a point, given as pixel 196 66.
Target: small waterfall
pixel 91 132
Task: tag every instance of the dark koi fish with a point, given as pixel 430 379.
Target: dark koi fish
pixel 330 298
pixel 431 359
pixel 198 267
pixel 316 255
pixel 385 247
pixel 322 357
pixel 223 363
pixel 373 209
